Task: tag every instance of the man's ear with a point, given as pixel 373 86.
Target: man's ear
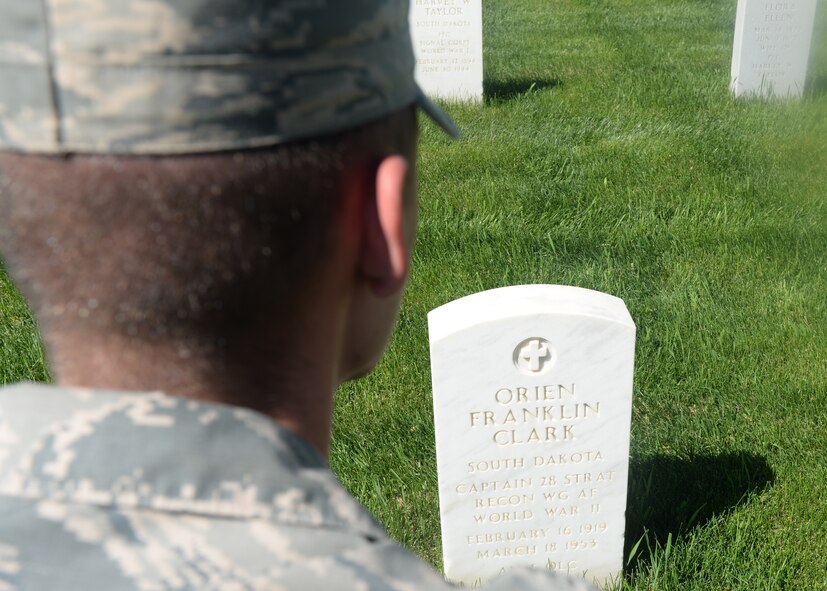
pixel 385 255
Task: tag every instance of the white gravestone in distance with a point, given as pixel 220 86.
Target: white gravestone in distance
pixel 532 394
pixel 447 40
pixel 772 47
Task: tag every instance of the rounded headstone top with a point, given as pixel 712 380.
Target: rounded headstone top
pixel 525 300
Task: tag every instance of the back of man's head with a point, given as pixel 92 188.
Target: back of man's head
pixel 196 245
pixel 178 172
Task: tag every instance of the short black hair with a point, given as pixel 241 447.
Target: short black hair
pixel 196 244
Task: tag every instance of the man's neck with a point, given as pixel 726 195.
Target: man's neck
pixel 296 390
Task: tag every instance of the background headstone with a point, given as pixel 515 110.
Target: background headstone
pixel 532 405
pixel 447 40
pixel 772 47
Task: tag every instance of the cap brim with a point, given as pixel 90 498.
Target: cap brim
pixel 436 114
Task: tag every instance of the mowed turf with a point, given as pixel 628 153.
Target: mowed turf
pixel 608 154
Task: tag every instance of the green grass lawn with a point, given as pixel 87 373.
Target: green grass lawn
pixel 608 154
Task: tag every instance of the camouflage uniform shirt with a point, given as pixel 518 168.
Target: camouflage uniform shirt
pixel 106 490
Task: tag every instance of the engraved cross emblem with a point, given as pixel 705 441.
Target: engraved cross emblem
pixel 533 355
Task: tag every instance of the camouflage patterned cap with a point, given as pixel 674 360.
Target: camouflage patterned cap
pixel 185 76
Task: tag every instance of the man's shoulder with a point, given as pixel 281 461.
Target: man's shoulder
pixel 143 491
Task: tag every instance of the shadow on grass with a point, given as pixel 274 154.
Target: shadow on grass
pixel 671 495
pixel 505 90
pixel 816 87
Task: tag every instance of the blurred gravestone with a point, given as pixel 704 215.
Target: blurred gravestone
pixel 447 40
pixel 532 394
pixel 772 47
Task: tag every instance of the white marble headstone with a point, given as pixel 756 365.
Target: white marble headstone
pixel 532 394
pixel 772 47
pixel 447 40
